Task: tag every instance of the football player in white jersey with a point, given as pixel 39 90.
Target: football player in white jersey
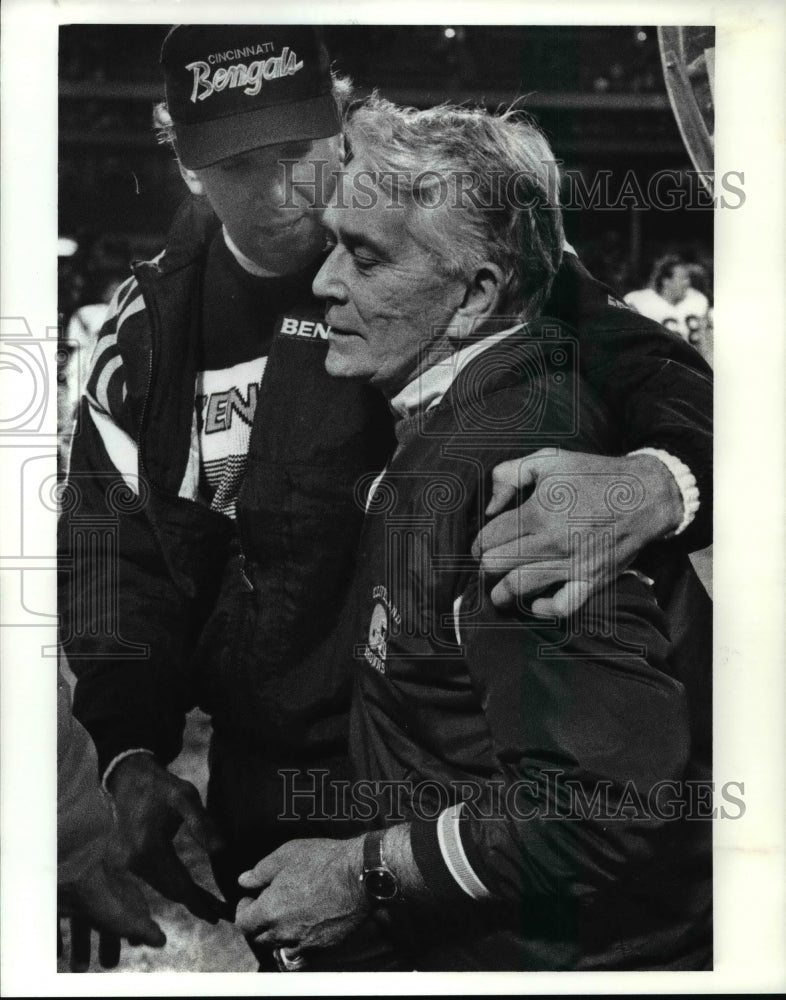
pixel 671 300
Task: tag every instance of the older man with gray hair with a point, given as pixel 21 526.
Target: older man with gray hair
pixel 526 781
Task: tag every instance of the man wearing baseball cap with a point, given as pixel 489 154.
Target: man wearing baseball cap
pixel 230 89
pixel 239 99
pixel 209 405
pixel 238 552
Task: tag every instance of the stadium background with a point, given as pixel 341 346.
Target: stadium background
pixel 599 94
pixel 597 91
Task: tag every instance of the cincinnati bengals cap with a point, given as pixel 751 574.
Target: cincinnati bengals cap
pixel 231 88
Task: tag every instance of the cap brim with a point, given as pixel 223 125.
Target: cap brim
pixel 206 143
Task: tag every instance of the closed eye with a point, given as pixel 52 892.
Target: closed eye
pixel 362 261
pixel 362 257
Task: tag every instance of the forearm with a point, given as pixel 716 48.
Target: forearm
pixel 423 878
pixel 556 822
pixel 671 412
pixel 122 621
pixel 672 415
pixel 671 496
pixel 660 394
pixel 131 706
pixel 679 498
pixel 398 855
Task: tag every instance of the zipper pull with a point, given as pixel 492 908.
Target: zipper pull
pixel 248 584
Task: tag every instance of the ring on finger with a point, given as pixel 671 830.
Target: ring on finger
pixel 287 962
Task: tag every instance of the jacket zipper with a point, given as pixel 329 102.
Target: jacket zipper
pixel 142 278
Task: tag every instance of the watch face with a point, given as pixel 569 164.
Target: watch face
pixel 381 884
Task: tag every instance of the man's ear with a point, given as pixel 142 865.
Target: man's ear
pixel 482 295
pixel 193 183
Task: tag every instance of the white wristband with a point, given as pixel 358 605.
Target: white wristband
pixel 684 479
pixel 115 761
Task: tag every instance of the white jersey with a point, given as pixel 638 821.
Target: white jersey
pixel 225 402
pixel 689 317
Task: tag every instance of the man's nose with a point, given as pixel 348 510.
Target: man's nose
pixel 327 284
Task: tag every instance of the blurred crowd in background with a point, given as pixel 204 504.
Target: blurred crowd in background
pixel 598 93
pixel 613 58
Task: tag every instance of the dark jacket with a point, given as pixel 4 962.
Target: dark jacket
pixel 165 604
pixel 558 736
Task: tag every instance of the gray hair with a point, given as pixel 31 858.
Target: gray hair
pixel 498 168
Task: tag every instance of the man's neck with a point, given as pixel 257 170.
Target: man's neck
pixel 429 383
pixel 442 349
pixel 248 265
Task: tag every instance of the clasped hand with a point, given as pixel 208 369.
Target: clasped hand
pixel 557 537
pixel 311 895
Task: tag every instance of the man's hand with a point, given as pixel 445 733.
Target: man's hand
pixel 536 545
pixel 152 804
pixel 106 899
pixel 311 895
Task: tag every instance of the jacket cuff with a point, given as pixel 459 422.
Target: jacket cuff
pixel 116 760
pixel 686 483
pixel 445 855
pixel 127 711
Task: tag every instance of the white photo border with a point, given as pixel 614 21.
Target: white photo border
pixel 750 361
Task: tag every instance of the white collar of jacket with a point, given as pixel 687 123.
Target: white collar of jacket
pixel 245 262
pixel 427 390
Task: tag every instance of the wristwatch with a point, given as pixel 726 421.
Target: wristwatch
pixel 379 882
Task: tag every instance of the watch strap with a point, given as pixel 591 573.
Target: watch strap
pixel 379 882
pixel 372 850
